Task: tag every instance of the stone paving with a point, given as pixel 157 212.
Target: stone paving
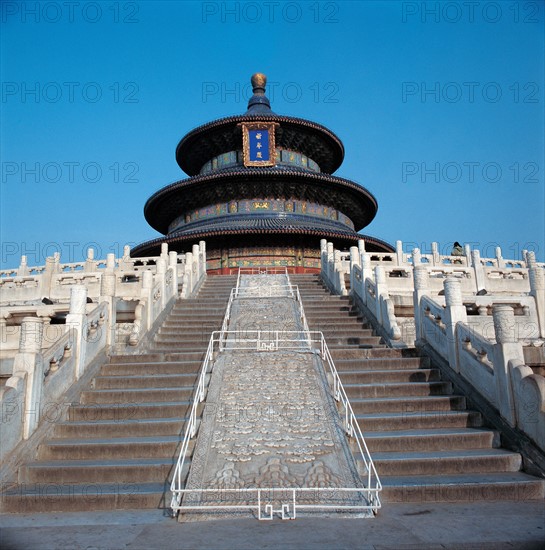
pixel 425 526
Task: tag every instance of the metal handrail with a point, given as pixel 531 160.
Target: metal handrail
pixel 191 428
pixel 352 426
pixel 284 510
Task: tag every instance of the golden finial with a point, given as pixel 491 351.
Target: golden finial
pixel 258 80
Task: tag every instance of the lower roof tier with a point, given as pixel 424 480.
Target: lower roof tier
pixel 266 232
pixel 173 201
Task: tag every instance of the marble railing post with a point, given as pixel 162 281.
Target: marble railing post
pixel 161 269
pixel 28 365
pixel 323 257
pixel 47 276
pixel 198 268
pixel 361 249
pixel 173 264
pixel 338 274
pixel 164 252
pixel 354 260
pixel 366 268
pixel 507 348
pixel 125 262
pixel 455 312
pixel 537 289
pixel 417 256
pixel 435 253
pixel 76 321
pixel 90 263
pixel 107 294
pixel 202 256
pixel 467 253
pixel 399 252
pixel 143 313
pixel 421 289
pixel 146 295
pixel 189 273
pixel 330 262
pixel 499 258
pixel 381 290
pixel 23 267
pixel 480 278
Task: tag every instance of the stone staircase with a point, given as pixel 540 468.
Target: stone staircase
pixel 117 446
pixel 426 444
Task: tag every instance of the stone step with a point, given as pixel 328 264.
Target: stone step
pixel 128 411
pixel 337 319
pixel 143 395
pixel 182 340
pixel 441 439
pixel 390 375
pixel 182 355
pixel 73 497
pixel 109 448
pixel 465 461
pixel 205 310
pixel 340 321
pixel 120 428
pixel 384 422
pixel 512 486
pixel 410 406
pixel 140 381
pixel 315 309
pixel 379 363
pixel 193 350
pixel 333 339
pixel 397 389
pixel 189 331
pixel 196 316
pixel 214 300
pixel 206 325
pixel 145 369
pixel 183 336
pixel 339 352
pixel 201 316
pixel 310 296
pixel 126 470
pixel 340 325
pixel 143 358
pixel 334 331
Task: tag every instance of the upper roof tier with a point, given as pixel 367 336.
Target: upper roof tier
pixel 224 135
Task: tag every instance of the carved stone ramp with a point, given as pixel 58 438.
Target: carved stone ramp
pixel 269 421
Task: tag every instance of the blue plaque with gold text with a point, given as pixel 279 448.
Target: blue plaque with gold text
pixel 258 143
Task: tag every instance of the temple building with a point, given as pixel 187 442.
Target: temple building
pixel 261 192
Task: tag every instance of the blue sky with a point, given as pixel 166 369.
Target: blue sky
pixel 439 106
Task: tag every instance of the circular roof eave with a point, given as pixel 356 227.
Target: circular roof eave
pixel 223 135
pixel 149 246
pixel 351 199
